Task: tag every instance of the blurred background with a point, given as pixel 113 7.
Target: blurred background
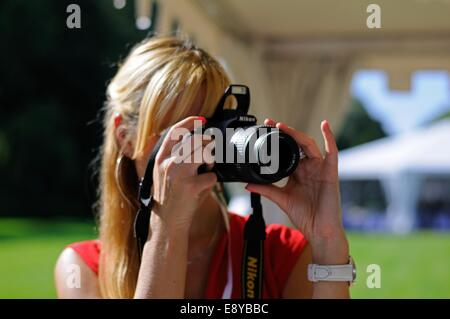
pixel 386 92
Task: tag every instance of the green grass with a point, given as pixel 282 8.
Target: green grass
pixel 28 252
pixel 412 266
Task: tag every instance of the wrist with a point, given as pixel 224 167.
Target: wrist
pixel 167 229
pixel 330 250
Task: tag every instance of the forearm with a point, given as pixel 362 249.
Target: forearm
pixel 162 274
pixel 331 252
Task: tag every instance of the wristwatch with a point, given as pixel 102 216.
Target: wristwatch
pixel 345 272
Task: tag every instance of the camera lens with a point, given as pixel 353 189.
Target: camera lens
pixel 263 155
pixel 277 161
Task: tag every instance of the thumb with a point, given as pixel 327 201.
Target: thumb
pixel 331 150
pixel 271 192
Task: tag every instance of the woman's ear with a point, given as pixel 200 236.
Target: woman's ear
pixel 123 140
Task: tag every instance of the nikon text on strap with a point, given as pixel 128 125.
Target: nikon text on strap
pixel 253 255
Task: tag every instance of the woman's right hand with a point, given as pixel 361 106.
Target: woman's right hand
pixel 178 189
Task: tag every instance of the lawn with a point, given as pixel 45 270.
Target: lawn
pixel 28 251
pixel 412 266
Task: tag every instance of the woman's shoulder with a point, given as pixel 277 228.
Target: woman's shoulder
pixel 92 244
pixel 73 268
pixel 89 251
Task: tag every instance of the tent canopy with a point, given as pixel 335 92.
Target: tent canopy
pixel 399 163
pixel 425 151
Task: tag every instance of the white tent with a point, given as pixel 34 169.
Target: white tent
pixel 400 163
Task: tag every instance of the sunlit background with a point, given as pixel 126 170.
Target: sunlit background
pixel 386 93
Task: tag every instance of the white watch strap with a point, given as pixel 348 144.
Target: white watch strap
pixel 331 272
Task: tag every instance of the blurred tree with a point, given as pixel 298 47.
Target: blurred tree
pixel 52 85
pixel 443 116
pixel 358 127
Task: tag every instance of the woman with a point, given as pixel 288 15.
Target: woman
pixel 163 83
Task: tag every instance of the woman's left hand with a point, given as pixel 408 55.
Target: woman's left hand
pixel 311 196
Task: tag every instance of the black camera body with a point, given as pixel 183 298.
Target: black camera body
pixel 251 153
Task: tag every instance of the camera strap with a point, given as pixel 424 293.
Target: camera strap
pixel 253 255
pixel 142 219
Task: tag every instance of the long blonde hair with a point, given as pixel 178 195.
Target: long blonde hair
pixel 153 89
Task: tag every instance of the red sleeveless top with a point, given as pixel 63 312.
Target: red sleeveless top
pixel 282 249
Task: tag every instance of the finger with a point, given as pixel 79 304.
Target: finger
pixel 304 140
pixel 272 192
pixel 331 150
pixel 176 148
pixel 198 157
pixel 270 122
pixel 179 170
pixel 202 182
pixel 190 157
pixel 177 132
pixel 194 149
pixel 209 153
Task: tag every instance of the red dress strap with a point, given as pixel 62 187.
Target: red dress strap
pixel 89 251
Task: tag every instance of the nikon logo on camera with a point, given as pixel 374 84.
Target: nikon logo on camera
pixel 250 119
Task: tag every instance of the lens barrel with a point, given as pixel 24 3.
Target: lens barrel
pixel 260 154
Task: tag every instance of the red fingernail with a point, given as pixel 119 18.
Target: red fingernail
pixel 201 118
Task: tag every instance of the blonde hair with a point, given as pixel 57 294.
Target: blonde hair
pixel 153 89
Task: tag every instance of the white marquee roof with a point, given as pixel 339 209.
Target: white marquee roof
pixel 423 151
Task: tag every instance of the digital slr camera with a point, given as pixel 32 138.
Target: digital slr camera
pixel 248 152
